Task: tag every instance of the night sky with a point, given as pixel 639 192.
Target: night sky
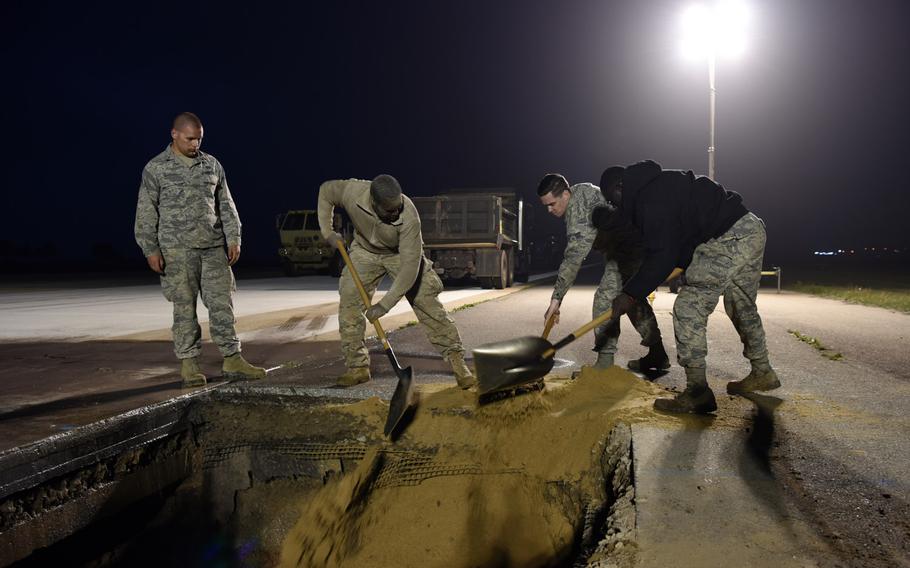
pixel 811 122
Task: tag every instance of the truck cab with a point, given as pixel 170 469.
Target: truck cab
pixel 302 248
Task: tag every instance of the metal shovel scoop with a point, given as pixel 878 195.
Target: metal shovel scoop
pixel 508 364
pixel 405 396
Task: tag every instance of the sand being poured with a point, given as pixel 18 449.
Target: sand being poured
pixel 503 484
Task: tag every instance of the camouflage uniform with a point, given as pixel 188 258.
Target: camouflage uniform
pixel 729 265
pixel 186 214
pixel 378 249
pixel 580 236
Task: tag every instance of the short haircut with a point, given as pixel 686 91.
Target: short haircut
pixel 612 177
pixel 552 183
pixel 186 118
pixel 385 190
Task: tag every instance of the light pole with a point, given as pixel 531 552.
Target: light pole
pixel 707 32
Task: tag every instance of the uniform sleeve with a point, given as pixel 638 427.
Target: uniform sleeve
pixel 579 240
pixel 230 219
pixel 410 249
pixel 146 226
pixel 330 196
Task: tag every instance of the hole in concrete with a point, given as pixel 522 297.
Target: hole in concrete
pixel 262 478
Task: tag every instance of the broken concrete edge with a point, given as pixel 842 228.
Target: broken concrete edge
pixel 50 512
pixel 32 464
pixel 616 547
pixel 52 488
pixel 239 392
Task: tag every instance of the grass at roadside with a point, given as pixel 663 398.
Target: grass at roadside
pixel 890 298
pixel 814 342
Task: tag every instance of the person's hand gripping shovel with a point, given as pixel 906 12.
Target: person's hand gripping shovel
pixel 405 397
pixel 515 362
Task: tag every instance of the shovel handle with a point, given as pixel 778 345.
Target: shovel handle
pixel 592 324
pixel 549 325
pixel 363 293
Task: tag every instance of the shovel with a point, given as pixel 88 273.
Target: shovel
pixel 515 362
pixel 405 397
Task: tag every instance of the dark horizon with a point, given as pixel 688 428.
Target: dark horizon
pixel 809 119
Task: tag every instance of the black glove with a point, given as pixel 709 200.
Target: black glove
pixel 622 304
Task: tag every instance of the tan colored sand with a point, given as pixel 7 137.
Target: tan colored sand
pixel 510 485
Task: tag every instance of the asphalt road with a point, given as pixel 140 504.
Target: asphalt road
pixel 835 438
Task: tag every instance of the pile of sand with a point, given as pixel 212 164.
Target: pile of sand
pixel 503 484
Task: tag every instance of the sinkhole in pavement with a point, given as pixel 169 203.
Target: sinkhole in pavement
pixel 266 476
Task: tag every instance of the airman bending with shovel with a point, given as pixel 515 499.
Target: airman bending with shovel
pixel 691 222
pixel 387 240
pixel 621 259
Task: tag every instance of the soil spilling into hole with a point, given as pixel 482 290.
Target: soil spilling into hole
pixel 506 484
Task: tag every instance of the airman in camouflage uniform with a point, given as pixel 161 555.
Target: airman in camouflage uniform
pixel 691 222
pixel 185 217
pixel 387 240
pixel 576 204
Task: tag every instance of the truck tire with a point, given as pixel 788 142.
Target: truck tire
pixel 289 269
pixel 502 279
pixel 486 282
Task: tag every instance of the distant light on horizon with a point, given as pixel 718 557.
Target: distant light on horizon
pixel 718 29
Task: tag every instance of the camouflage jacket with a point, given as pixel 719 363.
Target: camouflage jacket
pixel 184 207
pixel 580 234
pixel 401 237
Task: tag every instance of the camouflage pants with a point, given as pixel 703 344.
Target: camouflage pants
pixel 642 315
pixel 728 265
pixel 423 297
pixel 187 274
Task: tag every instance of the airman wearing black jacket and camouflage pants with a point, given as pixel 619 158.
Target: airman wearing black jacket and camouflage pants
pixel 693 223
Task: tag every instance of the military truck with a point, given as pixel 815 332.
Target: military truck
pixel 302 247
pixel 476 233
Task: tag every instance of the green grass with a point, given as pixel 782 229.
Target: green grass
pixel 814 342
pixel 890 298
pixel 466 306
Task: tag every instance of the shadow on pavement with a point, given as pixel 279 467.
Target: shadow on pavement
pixel 84 400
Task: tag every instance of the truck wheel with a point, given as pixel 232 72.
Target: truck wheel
pixel 502 280
pixel 289 269
pixel 486 282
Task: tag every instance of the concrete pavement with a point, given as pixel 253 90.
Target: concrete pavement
pixel 817 473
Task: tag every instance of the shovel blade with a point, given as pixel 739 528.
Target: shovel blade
pixel 512 363
pixel 404 399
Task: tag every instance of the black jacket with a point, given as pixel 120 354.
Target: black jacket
pixel 674 211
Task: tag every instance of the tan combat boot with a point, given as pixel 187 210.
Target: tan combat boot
pixel 757 380
pixel 463 375
pixel 236 367
pixel 698 398
pixel 191 374
pixel 354 376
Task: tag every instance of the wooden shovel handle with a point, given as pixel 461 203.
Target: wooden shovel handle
pixel 593 323
pixel 549 325
pixel 363 293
